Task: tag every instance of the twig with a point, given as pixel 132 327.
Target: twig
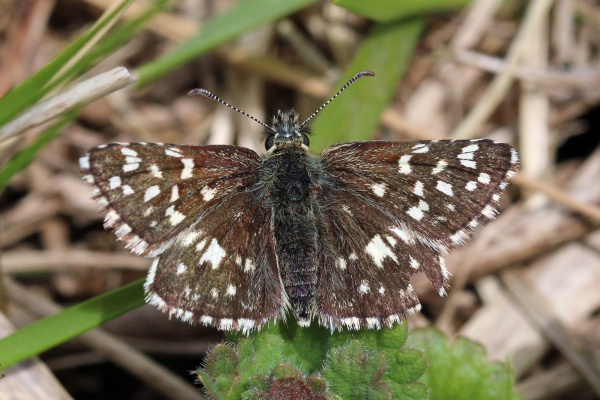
pixel 31 260
pixel 537 312
pixel 587 210
pixel 69 99
pixel 535 14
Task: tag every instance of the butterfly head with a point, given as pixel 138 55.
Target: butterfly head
pixel 286 128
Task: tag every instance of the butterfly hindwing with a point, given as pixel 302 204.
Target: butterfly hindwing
pixel 223 271
pixel 364 279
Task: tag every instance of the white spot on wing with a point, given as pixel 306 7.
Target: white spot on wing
pixel 231 290
pixel 130 167
pixel 414 263
pixel 174 193
pixel 127 190
pixel 470 148
pixel 123 230
pixel 249 265
pixel 379 189
pixel 114 182
pixel 176 218
pixel 417 212
pixel 378 250
pixel 468 163
pixel 201 245
pixel 364 287
pixel 208 193
pixel 181 268
pixel 484 178
pixel 373 323
pixel 466 156
pixel 471 185
pixel 403 164
pixel 128 152
pixel 341 263
pixel 423 149
pixel 189 238
pixel 418 189
pixel 441 165
pixel 445 188
pixel 156 172
pixel 213 254
pixel 151 273
pixel 173 152
pixel 391 240
pixel 188 168
pixel 151 193
pixel 403 235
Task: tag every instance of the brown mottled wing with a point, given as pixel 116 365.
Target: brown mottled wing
pixel 199 211
pixel 393 209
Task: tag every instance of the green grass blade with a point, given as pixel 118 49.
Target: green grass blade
pixel 49 332
pixel 387 51
pixel 393 10
pixel 43 81
pixel 243 17
pixel 23 158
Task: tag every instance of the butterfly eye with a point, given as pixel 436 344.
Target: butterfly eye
pixel 269 142
pixel 305 140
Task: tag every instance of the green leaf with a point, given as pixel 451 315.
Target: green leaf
pixel 460 370
pixel 231 371
pixel 404 366
pixel 245 16
pixel 392 10
pixel 51 331
pixel 219 376
pixel 305 348
pixel 353 373
pixel 387 51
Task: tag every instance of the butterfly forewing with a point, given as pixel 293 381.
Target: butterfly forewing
pixel 154 191
pixel 440 189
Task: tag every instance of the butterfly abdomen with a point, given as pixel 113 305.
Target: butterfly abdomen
pixel 294 226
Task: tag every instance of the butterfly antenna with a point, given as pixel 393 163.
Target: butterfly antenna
pixel 210 95
pixel 346 86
